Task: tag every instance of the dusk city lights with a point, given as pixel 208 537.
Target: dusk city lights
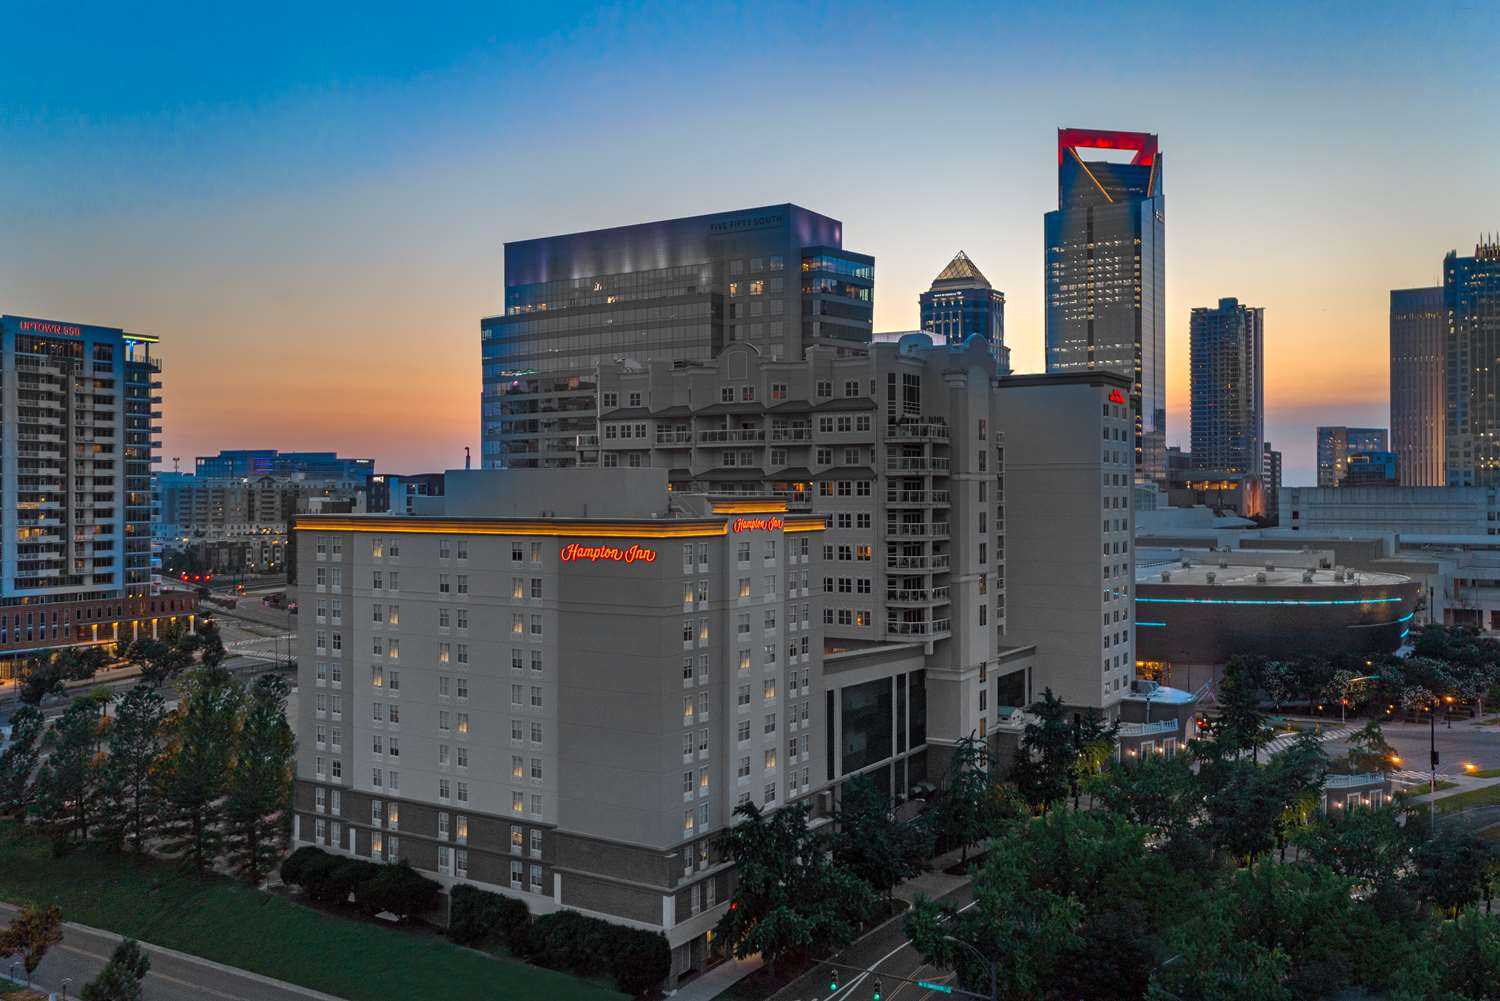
pixel 760 502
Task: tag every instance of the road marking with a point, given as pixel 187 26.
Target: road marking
pixel 153 975
pixel 876 965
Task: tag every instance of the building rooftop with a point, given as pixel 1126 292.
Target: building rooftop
pixel 1248 574
pixel 962 269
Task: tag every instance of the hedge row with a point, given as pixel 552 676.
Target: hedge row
pixel 330 880
pixel 564 940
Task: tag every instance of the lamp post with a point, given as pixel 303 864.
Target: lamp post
pixel 994 967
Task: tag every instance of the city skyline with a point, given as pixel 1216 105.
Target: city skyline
pixel 334 221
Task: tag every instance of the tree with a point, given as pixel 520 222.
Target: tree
pixel 1093 744
pixel 31 933
pixel 871 843
pixel 1296 777
pixel 641 960
pixel 40 677
pixel 67 786
pixel 121 978
pixel 962 812
pixel 791 897
pixel 1239 725
pixel 210 643
pixel 201 736
pixel 1370 752
pixel 1451 868
pixel 258 780
pixel 1368 846
pixel 398 889
pixel 129 789
pixel 18 760
pixel 1156 792
pixel 1044 770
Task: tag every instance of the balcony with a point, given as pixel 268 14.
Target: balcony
pixel 916 530
pixel 588 441
pixel 791 434
pixel 674 437
pixel 935 629
pixel 917 564
pixel 796 500
pixel 726 436
pixel 918 498
pixel 917 595
pixel 918 464
pixel 917 431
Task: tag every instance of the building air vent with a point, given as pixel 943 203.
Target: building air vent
pixel 1307 576
pixel 1166 576
pixel 1212 576
pixel 1223 564
pixel 1260 578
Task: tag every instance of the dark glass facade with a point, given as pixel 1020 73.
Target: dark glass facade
pixel 678 290
pixel 1105 276
pixel 1471 297
pixel 1419 327
pixel 961 304
pixel 1227 368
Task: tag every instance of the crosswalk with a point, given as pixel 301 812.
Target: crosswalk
pixel 1286 740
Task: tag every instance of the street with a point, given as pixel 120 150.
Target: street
pixel 174 976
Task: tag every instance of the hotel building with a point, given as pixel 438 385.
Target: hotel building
pixel 559 685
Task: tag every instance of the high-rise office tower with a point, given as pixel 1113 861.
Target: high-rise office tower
pixel 1336 444
pixel 78 431
pixel 1106 276
pixel 1228 387
pixel 961 304
pixel 1471 297
pixel 1419 328
pixel 1271 479
pixel 680 290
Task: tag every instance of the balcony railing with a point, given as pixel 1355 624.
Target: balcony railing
pixel 917 530
pixel 918 498
pixel 917 464
pixel 588 441
pixel 917 564
pixel 937 627
pixel 719 436
pixel 918 431
pixel 674 436
pixel 916 595
pixel 791 434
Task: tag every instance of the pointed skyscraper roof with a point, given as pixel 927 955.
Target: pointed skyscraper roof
pixel 961 270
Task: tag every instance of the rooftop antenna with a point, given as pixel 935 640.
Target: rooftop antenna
pixel 176 462
pixel 468 463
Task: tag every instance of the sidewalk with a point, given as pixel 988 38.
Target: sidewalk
pixel 707 986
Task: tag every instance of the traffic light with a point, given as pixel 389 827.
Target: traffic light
pixel 833 981
pixel 876 995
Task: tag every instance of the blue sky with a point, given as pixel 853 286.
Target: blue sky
pixel 308 204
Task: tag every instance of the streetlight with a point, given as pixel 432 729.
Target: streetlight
pixel 994 966
pixel 1470 767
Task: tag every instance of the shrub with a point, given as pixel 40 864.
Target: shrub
pixel 641 961
pixel 295 864
pixel 398 889
pixel 329 879
pixel 477 917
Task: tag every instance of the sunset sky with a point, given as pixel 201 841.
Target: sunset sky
pixel 308 204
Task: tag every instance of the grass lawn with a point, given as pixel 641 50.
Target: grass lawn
pixel 1488 796
pixel 1423 788
pixel 1486 773
pixel 238 926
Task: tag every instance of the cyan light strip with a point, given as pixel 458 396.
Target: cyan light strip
pixel 1267 601
pixel 1151 625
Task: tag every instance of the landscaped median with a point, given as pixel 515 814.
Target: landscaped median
pixel 232 924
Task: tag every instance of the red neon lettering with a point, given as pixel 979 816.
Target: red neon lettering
pixel 50 328
pixel 1115 396
pixel 772 524
pixel 634 553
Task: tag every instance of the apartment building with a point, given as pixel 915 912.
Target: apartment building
pixel 78 433
pixel 558 685
pixel 902 449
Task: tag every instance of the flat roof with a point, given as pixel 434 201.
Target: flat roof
pixel 597 528
pixel 1245 575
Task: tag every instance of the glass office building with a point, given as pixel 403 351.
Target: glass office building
pixel 679 290
pixel 1106 276
pixel 1336 444
pixel 1419 327
pixel 1226 363
pixel 1471 297
pixel 961 304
